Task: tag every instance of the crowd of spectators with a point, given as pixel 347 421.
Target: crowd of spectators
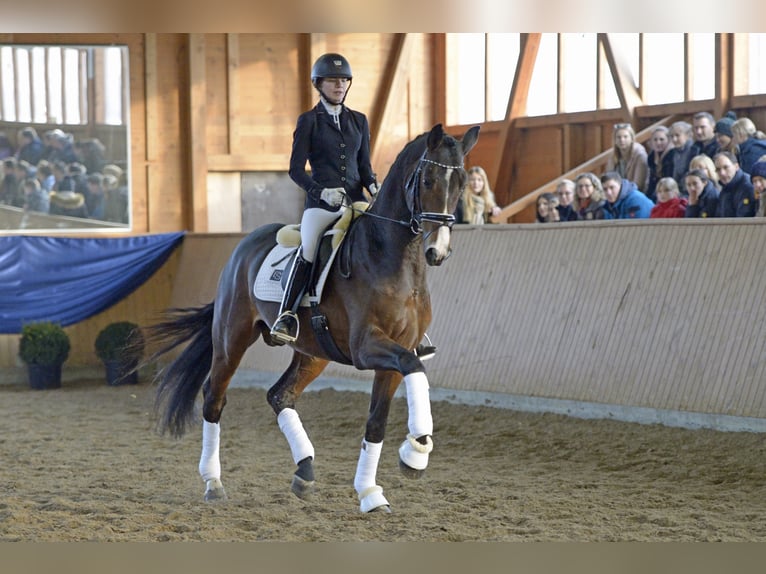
pixel 57 175
pixel 705 168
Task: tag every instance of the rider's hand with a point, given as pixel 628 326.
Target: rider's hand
pixel 333 196
pixel 373 189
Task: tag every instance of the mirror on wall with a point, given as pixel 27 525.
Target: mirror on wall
pixel 64 138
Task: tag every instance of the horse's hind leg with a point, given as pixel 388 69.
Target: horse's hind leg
pixel 224 365
pixel 282 396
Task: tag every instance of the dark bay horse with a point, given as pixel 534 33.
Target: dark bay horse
pixel 378 308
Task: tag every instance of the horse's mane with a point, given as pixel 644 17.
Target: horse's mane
pixel 409 155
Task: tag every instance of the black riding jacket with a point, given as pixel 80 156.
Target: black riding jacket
pixel 338 158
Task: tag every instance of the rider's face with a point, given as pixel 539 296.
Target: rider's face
pixel 334 89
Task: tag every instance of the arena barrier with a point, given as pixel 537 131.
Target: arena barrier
pixel 655 321
pixel 652 321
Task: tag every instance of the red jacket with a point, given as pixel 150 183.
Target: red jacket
pixel 675 207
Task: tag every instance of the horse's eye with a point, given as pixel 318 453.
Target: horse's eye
pixel 428 182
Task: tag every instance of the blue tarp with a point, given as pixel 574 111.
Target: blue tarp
pixel 66 280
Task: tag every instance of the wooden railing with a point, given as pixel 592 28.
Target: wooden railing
pixel 596 165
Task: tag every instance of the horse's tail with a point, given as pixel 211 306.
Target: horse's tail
pixel 180 382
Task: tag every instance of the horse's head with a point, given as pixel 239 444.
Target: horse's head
pixel 439 180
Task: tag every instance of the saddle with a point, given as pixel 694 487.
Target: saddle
pixel 271 280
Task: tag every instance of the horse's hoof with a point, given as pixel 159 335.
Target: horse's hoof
pixel 302 488
pixel 372 500
pixel 214 491
pixel 409 472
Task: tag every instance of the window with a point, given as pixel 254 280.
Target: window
pixel 52 84
pixel 480 76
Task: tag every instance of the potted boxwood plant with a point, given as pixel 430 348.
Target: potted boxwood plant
pixel 44 347
pixel 120 346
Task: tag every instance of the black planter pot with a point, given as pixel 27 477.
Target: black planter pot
pixel 120 372
pixel 42 377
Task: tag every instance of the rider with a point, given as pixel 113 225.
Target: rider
pixel 335 141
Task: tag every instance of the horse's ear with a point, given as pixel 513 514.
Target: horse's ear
pixel 435 137
pixel 470 138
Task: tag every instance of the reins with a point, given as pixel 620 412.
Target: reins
pixel 417 216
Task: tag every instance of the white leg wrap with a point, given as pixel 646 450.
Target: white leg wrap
pixel 291 426
pixel 419 405
pixel 370 494
pixel 367 467
pixel 210 462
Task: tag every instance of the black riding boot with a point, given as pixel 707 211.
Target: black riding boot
pixel 285 329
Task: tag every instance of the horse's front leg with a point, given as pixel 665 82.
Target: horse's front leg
pixel 415 450
pixel 282 396
pixel 370 494
pixel 379 353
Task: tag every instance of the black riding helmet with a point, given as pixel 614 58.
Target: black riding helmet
pixel 330 65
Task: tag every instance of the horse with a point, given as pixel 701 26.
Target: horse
pixel 377 306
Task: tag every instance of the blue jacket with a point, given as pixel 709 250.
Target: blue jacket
pixel 338 158
pixel 707 205
pixel 749 152
pixel 737 198
pixel 630 204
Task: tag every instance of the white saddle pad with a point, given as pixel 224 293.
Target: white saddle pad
pixel 268 282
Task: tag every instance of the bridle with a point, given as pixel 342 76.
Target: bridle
pixel 417 215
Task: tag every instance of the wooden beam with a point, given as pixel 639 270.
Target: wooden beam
pixel 591 165
pixel 724 79
pixel 393 80
pixel 626 91
pixel 232 81
pixel 517 106
pixel 151 123
pixel 198 132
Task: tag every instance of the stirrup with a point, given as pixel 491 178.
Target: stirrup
pixel 286 327
pixel 425 352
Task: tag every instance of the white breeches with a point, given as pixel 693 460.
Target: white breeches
pixel 313 222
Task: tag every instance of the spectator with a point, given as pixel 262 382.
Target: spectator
pixel 703 195
pixel 546 208
pixel 669 200
pixel 737 198
pixel 63 181
pixel 10 187
pixel 478 201
pixel 115 200
pixel 91 154
pixel 751 142
pixel 758 179
pixel 704 137
pixel 62 147
pixel 67 203
pixel 31 148
pixel 45 175
pixel 706 164
pixel 660 159
pixel 95 200
pixel 628 157
pixel 565 191
pixel 623 199
pixel 6 147
pixel 589 202
pixel 681 136
pixel 35 197
pixel 723 135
